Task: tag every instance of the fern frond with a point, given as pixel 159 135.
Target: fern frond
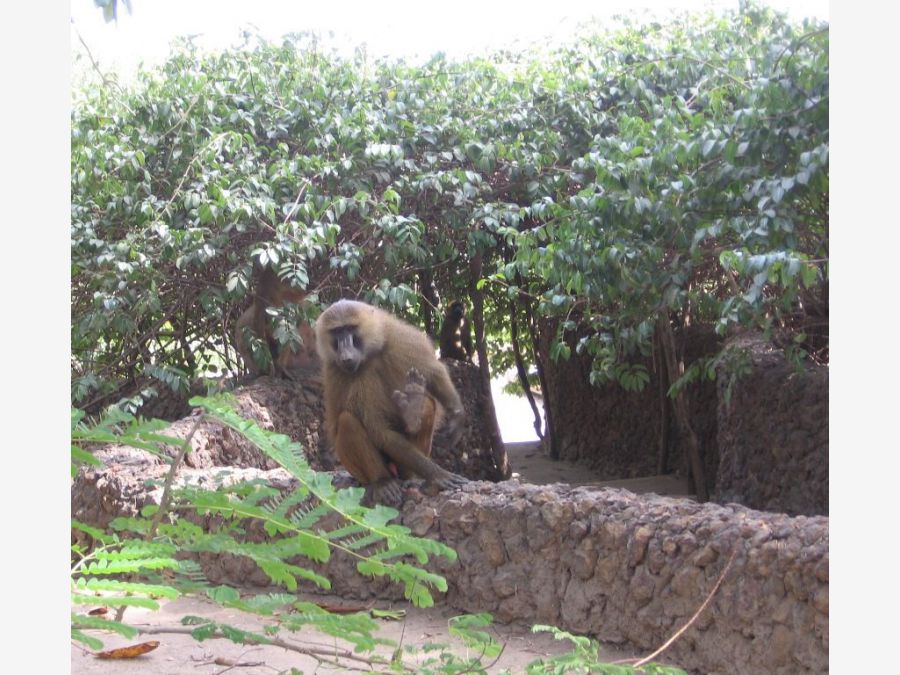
pixel 91 642
pixel 356 518
pixel 191 571
pixel 95 533
pixel 95 585
pixel 358 544
pixel 207 629
pixel 116 601
pixel 469 629
pixel 306 517
pixel 265 603
pixel 119 427
pixel 137 549
pixel 80 456
pixel 85 621
pixel 282 506
pixel 356 628
pixel 118 566
pixel 284 573
pixel 346 533
pixel 379 517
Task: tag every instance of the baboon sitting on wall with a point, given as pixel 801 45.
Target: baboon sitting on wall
pixel 385 392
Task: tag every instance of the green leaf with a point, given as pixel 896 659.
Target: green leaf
pixel 89 641
pixel 85 621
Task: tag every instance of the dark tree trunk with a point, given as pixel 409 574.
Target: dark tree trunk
pixel 426 279
pixel 477 296
pixel 665 423
pixel 549 435
pixel 675 369
pixel 522 372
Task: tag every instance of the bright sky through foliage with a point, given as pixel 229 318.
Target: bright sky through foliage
pixel 392 27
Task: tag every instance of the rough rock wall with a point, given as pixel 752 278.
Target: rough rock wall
pixel 604 562
pixel 599 561
pixel 764 437
pixel 293 408
pixel 616 432
pixel 773 433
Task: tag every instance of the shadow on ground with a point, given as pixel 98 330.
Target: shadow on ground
pixel 529 465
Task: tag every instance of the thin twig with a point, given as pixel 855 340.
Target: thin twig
pixel 107 81
pixel 680 631
pixel 314 652
pixel 90 55
pixel 166 495
pixel 300 194
pixel 170 478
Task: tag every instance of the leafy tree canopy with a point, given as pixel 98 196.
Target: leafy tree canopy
pixel 677 167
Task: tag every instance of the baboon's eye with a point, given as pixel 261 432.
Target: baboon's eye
pixel 357 341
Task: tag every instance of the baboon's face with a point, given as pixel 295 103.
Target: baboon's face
pixel 347 348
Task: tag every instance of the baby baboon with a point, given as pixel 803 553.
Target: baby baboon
pixel 456 334
pixel 385 392
pixel 255 321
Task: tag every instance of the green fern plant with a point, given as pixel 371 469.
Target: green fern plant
pixel 100 576
pixel 139 562
pixel 295 522
pixel 104 570
pixel 115 426
pixel 295 525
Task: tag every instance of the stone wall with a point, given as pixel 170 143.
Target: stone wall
pixel 603 562
pixel 294 409
pixel 763 436
pixel 616 432
pixel 773 433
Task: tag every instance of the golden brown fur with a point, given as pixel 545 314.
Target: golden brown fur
pixel 384 392
pixel 272 292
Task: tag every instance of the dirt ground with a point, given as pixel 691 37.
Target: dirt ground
pixel 180 653
pixel 530 466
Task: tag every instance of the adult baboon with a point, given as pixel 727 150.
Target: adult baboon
pixel 385 392
pixel 255 321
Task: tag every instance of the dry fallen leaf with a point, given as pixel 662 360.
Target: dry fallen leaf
pixel 131 652
pixel 100 611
